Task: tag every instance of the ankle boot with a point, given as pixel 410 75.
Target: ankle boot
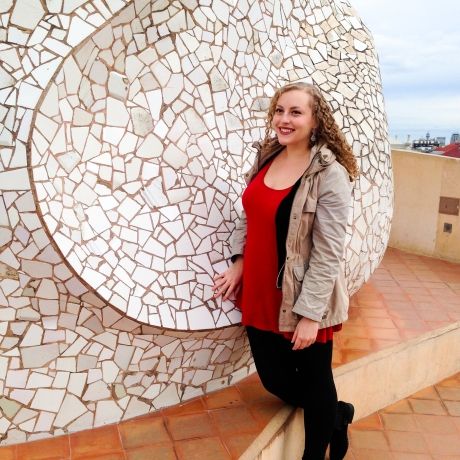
pixel 339 441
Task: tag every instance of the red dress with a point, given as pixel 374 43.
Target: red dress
pixel 259 298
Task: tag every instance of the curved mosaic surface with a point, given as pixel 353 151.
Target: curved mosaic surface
pixel 140 141
pixel 69 360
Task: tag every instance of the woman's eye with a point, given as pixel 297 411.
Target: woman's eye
pixel 295 113
pixel 278 110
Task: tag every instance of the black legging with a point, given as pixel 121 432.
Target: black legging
pixel 302 378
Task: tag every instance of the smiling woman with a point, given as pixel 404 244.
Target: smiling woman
pixel 287 254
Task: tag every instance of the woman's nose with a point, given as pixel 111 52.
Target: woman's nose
pixel 285 117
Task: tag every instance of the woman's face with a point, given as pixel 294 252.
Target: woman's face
pixel 293 120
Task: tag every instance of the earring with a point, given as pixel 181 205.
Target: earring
pixel 313 137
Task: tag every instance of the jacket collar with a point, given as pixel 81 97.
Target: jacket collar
pixel 320 154
pixel 321 158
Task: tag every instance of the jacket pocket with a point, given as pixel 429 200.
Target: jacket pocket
pixel 310 204
pixel 299 272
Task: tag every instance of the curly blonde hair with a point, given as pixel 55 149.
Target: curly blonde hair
pixel 327 132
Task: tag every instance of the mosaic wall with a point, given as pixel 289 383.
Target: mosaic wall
pixel 125 128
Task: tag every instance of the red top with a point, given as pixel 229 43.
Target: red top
pixel 260 299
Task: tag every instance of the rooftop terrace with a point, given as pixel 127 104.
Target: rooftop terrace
pixel 409 302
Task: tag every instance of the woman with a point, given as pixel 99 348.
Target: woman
pixel 287 253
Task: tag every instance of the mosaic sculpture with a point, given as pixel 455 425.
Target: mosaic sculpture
pixel 125 131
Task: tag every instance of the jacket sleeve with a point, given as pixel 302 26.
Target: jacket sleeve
pixel 238 238
pixel 328 238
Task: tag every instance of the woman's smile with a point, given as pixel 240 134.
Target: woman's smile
pixel 286 131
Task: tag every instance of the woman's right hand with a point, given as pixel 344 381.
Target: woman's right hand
pixel 229 282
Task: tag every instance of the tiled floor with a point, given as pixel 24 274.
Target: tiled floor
pixel 425 426
pixel 408 295
pixel 219 426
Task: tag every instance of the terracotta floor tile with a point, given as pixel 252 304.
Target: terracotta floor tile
pixel 349 455
pixel 202 449
pixel 46 449
pixel 252 391
pixel 422 301
pixel 143 431
pixel 368 454
pixel 355 322
pixel 352 355
pixel 108 456
pixel 437 325
pixel 250 378
pixel 433 315
pixel 190 426
pixel 409 456
pixel 436 285
pixel 98 441
pixel 437 424
pixel 400 407
pixel 453 408
pixel 383 323
pixel 238 443
pixel 234 420
pixel 449 393
pixel 227 397
pixel 8 453
pixel 456 421
pixel 404 313
pixel 454 315
pixel 396 303
pixel 443 444
pixel 154 452
pixel 264 411
pixel 426 406
pixel 368 312
pixel 399 422
pixel 190 407
pixel 411 323
pixel 408 334
pixel 355 343
pixel 371 422
pixel 380 344
pixel 404 441
pixel 355 331
pixel 426 393
pixel 452 381
pixel 368 439
pixel 388 334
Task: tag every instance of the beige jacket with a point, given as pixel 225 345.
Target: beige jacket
pixel 313 282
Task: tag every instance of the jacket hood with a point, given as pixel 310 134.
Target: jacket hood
pixel 321 158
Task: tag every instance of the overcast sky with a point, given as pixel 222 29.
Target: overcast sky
pixel 418 43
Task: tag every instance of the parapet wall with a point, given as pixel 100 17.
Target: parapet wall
pixel 418 225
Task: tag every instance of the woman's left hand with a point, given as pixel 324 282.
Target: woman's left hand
pixel 305 333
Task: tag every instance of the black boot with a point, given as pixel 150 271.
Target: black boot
pixel 339 441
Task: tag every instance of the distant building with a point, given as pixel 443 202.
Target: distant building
pixel 441 141
pixel 455 138
pixel 426 145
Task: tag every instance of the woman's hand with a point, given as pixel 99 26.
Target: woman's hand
pixel 305 333
pixel 229 282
